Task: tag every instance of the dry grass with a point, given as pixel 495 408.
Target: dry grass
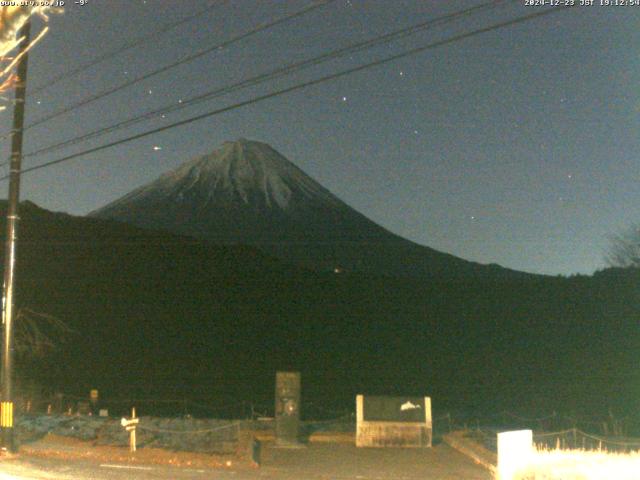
pixel 582 465
pixel 70 449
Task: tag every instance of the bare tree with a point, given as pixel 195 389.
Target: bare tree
pixel 39 333
pixel 624 250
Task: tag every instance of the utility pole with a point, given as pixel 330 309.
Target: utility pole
pixel 8 314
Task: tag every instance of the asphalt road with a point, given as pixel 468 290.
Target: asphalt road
pixel 316 462
pixel 50 469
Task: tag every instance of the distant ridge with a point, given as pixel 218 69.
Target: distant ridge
pixel 161 316
pixel 248 193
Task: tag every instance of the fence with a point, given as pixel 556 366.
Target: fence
pixel 208 436
pixel 206 407
pixel 571 438
pixel 577 439
pixel 567 431
pixel 179 434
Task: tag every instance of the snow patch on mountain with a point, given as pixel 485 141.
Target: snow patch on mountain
pixel 242 171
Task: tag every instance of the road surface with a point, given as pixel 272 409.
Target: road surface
pixel 314 462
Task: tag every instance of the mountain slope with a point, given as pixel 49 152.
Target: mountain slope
pixel 165 316
pixel 248 193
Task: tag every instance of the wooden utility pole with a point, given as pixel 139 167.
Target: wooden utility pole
pixel 8 314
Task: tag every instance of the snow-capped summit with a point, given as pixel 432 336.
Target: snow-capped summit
pixel 251 172
pixel 244 192
pixel 241 172
pixel 247 193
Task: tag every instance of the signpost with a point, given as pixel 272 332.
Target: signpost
pixel 130 426
pixel 93 398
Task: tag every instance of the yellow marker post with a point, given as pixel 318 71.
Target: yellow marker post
pixel 6 414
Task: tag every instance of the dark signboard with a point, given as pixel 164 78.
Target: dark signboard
pixel 394 409
pixel 385 421
pixel 287 407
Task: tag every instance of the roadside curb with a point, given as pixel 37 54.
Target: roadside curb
pixel 471 449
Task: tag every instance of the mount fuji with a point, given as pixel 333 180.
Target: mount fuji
pixel 247 193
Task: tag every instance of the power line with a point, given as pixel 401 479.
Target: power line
pixel 300 86
pixel 279 72
pixel 123 48
pixel 190 58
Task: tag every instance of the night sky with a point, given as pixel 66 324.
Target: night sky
pixel 517 146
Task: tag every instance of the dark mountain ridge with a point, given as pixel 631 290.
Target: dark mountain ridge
pixel 164 315
pixel 248 193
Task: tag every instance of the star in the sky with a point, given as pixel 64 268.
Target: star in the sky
pixel 344 99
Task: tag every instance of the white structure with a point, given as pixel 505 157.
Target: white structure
pixel 515 452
